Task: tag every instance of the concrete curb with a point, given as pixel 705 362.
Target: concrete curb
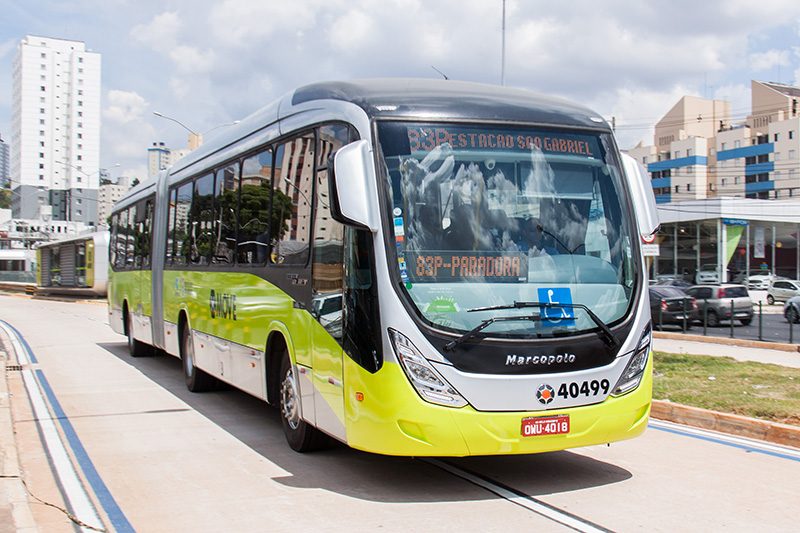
pixel 744 343
pixel 742 426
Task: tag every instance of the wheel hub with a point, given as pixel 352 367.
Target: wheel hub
pixel 289 400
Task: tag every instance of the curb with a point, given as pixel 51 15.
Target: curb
pixel 744 343
pixel 742 426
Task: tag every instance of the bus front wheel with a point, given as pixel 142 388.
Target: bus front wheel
pixel 196 379
pixel 301 436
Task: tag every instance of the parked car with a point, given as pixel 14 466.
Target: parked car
pixel 707 274
pixel 714 303
pixel 670 305
pixel 782 289
pixel 677 283
pixel 791 309
pixel 761 282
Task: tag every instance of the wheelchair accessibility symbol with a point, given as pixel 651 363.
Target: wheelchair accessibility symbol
pixel 557 316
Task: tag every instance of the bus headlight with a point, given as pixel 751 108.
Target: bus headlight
pixel 428 382
pixel 634 372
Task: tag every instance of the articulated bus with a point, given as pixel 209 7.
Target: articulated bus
pixel 418 268
pixel 74 266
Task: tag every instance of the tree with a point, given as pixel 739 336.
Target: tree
pixel 5 198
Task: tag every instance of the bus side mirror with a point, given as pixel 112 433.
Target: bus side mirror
pixel 644 202
pixel 353 187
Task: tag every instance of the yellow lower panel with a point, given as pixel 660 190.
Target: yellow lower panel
pixel 392 419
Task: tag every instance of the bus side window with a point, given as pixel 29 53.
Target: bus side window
pixel 226 200
pixel 294 180
pixel 201 230
pixel 254 208
pixel 181 236
pixel 112 247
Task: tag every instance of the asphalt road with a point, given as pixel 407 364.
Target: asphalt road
pixel 773 328
pixel 154 457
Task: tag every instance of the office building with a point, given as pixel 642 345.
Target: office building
pixel 55 155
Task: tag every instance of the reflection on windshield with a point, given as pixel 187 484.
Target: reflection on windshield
pixel 488 216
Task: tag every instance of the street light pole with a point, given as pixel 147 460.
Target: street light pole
pixel 195 139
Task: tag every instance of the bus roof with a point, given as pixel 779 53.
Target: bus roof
pixel 453 100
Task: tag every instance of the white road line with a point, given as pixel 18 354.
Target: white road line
pixel 528 502
pixel 80 504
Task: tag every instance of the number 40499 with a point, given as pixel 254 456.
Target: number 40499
pixel 586 388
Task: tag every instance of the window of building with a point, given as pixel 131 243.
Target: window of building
pixel 791 134
pixel 677 189
pixel 689 171
pixel 777 156
pixel 41 155
pixel 677 154
pixel 688 187
pixel 724 181
pixel 737 144
pixel 737 180
pixel 791 154
pixel 80 157
pixel 723 146
pixel 689 152
pixel 776 140
pixel 43 56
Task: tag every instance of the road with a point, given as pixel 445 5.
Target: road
pixel 158 458
pixel 774 328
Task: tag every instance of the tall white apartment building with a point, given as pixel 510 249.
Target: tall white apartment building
pixel 55 156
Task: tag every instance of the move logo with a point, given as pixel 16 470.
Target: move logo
pixel 222 305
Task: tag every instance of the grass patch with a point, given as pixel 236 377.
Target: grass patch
pixel 756 390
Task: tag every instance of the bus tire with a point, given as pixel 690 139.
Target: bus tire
pixel 196 379
pixel 301 436
pixel 135 348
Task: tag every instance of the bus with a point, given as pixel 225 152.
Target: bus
pixel 74 266
pixel 410 267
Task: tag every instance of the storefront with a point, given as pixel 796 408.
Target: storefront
pixel 727 239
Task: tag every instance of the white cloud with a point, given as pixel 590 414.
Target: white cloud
pixel 351 31
pixel 189 59
pixel 124 107
pixel 763 61
pixel 161 32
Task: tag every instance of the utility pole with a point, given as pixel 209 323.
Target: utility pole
pixel 503 51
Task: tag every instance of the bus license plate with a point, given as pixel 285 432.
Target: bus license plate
pixel 545 425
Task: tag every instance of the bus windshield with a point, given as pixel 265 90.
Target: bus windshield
pixel 500 216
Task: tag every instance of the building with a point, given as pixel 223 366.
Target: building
pixel 55 155
pixel 160 157
pixel 5 162
pixel 716 183
pixel 108 195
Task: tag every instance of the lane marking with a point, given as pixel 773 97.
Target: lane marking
pixel 742 443
pixel 81 504
pixel 535 505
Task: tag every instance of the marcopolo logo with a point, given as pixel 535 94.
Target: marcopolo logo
pixel 530 360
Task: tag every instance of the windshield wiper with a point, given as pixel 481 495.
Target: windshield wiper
pixel 452 345
pixel 607 335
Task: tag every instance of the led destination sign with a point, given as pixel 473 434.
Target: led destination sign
pixel 421 138
pixel 467 266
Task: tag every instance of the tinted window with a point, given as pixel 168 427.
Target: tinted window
pixel 183 203
pixel 294 177
pixel 736 292
pixel 226 199
pixel 254 211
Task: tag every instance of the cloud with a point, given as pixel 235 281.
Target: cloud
pixel 764 61
pixel 124 107
pixel 351 31
pixel 159 33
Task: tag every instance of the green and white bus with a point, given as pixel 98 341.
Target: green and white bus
pixel 411 267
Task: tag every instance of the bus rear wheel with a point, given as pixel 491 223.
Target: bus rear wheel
pixel 196 379
pixel 301 436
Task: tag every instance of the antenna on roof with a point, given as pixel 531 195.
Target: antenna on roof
pixel 440 72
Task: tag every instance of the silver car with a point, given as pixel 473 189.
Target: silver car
pixel 714 303
pixel 782 289
pixel 791 310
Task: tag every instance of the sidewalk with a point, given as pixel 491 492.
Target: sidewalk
pixel 742 350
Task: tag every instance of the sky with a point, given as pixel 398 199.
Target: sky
pixel 207 63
